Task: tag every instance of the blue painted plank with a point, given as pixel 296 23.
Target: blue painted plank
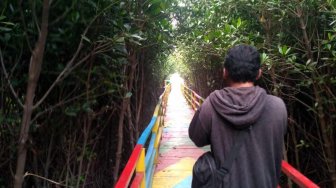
pixel 150 170
pixel 151 180
pixel 150 150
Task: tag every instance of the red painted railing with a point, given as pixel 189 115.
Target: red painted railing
pixel 127 173
pixel 296 176
pixel 195 101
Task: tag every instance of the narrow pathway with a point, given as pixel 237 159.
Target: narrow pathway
pixel 177 153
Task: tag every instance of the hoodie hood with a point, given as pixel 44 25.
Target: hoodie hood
pixel 240 106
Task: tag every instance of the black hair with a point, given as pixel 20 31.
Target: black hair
pixel 242 63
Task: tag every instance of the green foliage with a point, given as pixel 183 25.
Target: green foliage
pixel 95 74
pixel 205 30
pixel 284 50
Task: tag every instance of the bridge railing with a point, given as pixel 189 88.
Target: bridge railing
pixel 139 169
pixel 195 102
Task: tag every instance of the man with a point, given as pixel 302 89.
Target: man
pixel 239 106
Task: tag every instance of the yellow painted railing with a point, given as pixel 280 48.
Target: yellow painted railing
pixel 194 100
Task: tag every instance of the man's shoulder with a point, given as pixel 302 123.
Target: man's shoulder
pixel 207 104
pixel 206 109
pixel 273 98
pixel 207 100
pixel 275 101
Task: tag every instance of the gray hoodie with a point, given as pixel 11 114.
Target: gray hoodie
pixel 226 112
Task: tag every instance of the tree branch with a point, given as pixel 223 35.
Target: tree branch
pixel 66 12
pixel 46 179
pixel 8 81
pixel 24 26
pixel 69 67
pixel 35 17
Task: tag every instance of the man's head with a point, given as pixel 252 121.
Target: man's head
pixel 242 64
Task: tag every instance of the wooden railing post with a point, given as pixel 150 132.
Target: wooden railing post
pixel 191 99
pixel 141 168
pixel 194 101
pixel 157 143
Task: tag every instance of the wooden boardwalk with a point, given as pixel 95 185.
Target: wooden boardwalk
pixel 177 153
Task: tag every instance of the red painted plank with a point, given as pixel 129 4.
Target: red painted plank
pixel 172 156
pixel 137 180
pixel 297 177
pixel 129 168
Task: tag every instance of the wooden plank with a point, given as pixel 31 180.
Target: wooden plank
pixel 174 174
pixel 177 153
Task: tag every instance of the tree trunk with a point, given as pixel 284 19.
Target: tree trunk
pixel 48 160
pixel 86 135
pixel 2 93
pixel 126 100
pixel 131 126
pixel 120 138
pixel 139 105
pixel 34 74
pixel 328 142
pixel 327 136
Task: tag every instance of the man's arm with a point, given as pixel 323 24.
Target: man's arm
pixel 197 133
